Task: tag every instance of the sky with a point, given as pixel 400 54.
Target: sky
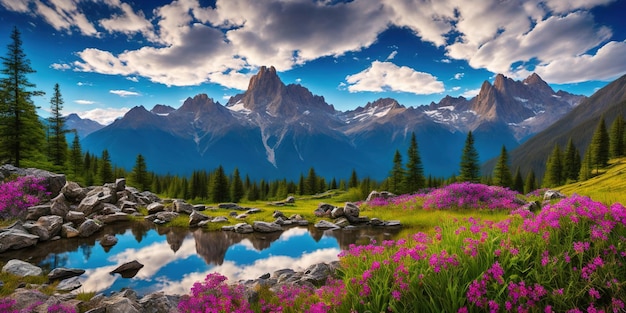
pixel 111 55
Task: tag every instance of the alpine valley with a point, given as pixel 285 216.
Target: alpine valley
pixel 273 130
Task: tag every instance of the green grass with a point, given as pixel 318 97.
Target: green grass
pixel 608 187
pixel 12 282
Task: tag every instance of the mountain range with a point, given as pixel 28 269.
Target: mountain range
pixel 273 130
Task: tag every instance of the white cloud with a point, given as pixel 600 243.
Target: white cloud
pixel 60 66
pixel 124 93
pixel 128 22
pixel 16 5
pixel 382 76
pixel 64 15
pixel 392 55
pixel 104 116
pixel 470 93
pixel 84 102
pixel 83 84
pixel 458 76
pixel 133 79
pixel 456 88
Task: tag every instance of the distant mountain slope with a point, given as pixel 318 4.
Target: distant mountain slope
pixel 579 124
pixel 273 130
pixel 83 126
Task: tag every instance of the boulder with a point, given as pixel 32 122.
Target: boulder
pixel 219 219
pixel 52 224
pixel 55 182
pixel 342 222
pixel 21 268
pixel 243 228
pixel 105 194
pixel 252 211
pixel 166 216
pixel 158 302
pixel 241 216
pixel 317 274
pixel 88 228
pixel 75 217
pixel 149 197
pixel 181 206
pixel 26 298
pixel 155 207
pixel 336 212
pixel 199 207
pixel 229 206
pixel 323 209
pixel 120 184
pixel 73 192
pixel 108 208
pixel 108 241
pixel 290 199
pixel 62 273
pixel 553 194
pixel 376 222
pixel 60 206
pixel 265 227
pixel 351 209
pixel 69 284
pixel 37 230
pixel 393 223
pixel 278 214
pixel 68 231
pixel 115 217
pixel 126 204
pixel 90 204
pixel 37 211
pixel 196 217
pixel 16 237
pixel 325 225
pixel 382 194
pixel 129 269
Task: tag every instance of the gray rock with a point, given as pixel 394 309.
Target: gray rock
pixel 149 196
pixel 325 225
pixel 342 222
pixel 52 223
pixel 182 207
pixel 243 228
pixel 25 298
pixel 219 219
pixel 382 194
pixel 108 241
pixel 228 228
pixel 21 268
pixel 376 222
pixel 155 207
pixel 166 216
pixel 69 284
pixel 128 269
pixel 120 184
pixel 553 194
pixel 37 211
pixel 126 204
pixel 351 209
pixel 229 206
pixel 55 182
pixel 68 231
pixel 265 227
pixel 241 216
pixel 60 206
pixel 393 223
pixel 61 273
pixel 158 302
pixel 91 204
pixel 115 217
pixel 252 211
pixel 278 214
pixel 37 230
pixel 122 305
pixel 302 222
pixel 323 209
pixel 199 207
pixel 265 276
pixel 16 238
pixel 75 217
pixel 88 228
pixel 73 192
pixel 196 217
pixel 317 274
pixel 108 208
pixel 336 212
pixel 290 199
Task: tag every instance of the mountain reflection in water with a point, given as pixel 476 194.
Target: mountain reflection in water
pixel 174 258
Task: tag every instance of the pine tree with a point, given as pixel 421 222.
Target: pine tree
pixel 414 179
pixel 600 146
pixel 139 176
pixel 586 167
pixel 312 182
pixel 354 180
pixel 518 181
pixel 21 133
pixel 76 156
pixel 554 169
pixel 236 187
pixel 396 176
pixel 502 172
pixel 571 162
pixel 333 184
pixel 219 186
pixel 57 143
pixel 301 185
pixel 105 172
pixel 470 169
pixel 530 184
pixel 616 138
pixel 253 192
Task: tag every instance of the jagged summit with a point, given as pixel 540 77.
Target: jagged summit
pixel 162 109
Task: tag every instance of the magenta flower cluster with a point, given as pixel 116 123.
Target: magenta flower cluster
pixel 468 195
pixel 215 296
pixel 7 306
pixel 19 194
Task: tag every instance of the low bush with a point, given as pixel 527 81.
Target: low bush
pixel 19 194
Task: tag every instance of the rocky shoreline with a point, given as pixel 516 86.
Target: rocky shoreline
pixel 74 211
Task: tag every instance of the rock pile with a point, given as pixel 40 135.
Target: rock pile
pixel 346 216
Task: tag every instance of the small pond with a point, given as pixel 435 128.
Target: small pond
pixel 175 258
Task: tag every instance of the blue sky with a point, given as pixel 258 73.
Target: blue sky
pixel 111 55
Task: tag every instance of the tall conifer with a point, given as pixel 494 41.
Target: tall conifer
pixel 469 167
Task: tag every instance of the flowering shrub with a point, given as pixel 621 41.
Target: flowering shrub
pixel 471 196
pixel 215 296
pixel 6 306
pixel 19 194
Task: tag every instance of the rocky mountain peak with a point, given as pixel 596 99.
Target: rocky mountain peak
pixel 388 103
pixel 535 82
pixel 162 109
pixel 198 103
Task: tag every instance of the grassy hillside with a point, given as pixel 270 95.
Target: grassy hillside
pixel 608 187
